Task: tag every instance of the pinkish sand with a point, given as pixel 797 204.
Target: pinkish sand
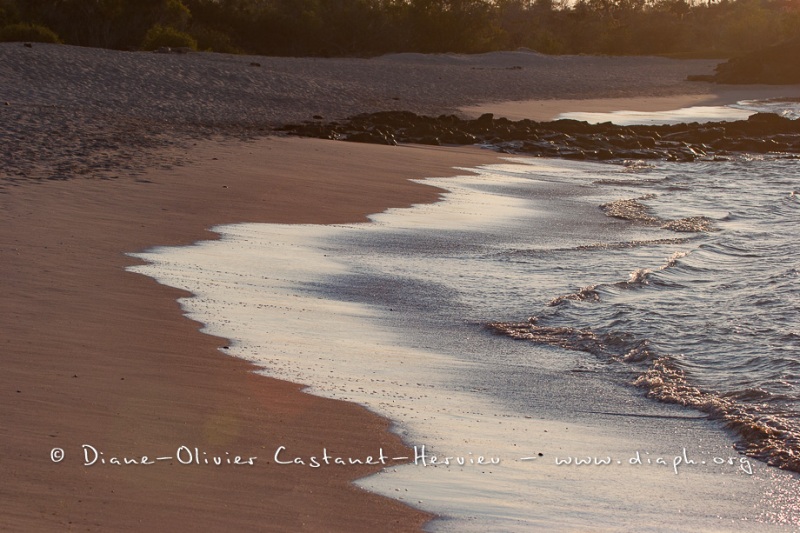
pixel 94 354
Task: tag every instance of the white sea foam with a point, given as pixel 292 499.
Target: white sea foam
pixel 262 286
pixel 676 116
pixel 787 107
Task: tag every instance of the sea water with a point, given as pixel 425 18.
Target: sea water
pixel 787 107
pixel 641 317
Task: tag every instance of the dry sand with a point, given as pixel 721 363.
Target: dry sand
pixel 111 112
pixel 94 354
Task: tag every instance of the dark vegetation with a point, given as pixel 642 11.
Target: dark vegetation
pixel 774 64
pixel 677 28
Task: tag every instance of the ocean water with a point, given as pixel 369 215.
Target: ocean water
pixel 545 311
pixel 706 308
pixel 676 116
pixel 787 107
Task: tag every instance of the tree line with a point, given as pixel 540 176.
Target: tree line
pixel 372 27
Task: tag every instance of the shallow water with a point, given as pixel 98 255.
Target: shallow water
pixel 401 315
pixel 787 107
pixel 711 320
pixel 677 116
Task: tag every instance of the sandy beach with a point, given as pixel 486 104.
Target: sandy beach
pixel 107 153
pixel 99 356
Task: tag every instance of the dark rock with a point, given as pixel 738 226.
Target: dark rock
pixel 778 64
pixel 434 141
pixel 708 135
pixel 571 139
pixel 573 154
pixel 647 142
pixel 373 137
pixel 770 118
pixel 700 77
pixel 759 146
pixel 568 125
pixel 605 155
pixel 487 119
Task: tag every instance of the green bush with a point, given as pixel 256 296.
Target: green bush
pixel 210 40
pixel 28 32
pixel 159 36
pixel 176 14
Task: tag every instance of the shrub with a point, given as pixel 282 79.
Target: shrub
pixel 176 14
pixel 159 36
pixel 214 41
pixel 28 32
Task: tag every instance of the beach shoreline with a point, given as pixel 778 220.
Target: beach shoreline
pixel 103 357
pixel 401 334
pixel 713 95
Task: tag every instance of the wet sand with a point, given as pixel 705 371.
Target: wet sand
pixel 550 109
pixel 96 355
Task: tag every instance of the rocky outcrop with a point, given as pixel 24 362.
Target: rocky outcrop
pixel 779 64
pixel 761 133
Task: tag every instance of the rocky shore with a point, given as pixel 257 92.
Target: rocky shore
pixel 777 64
pixel 69 112
pixel 761 133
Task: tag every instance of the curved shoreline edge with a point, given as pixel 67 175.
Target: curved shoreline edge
pixel 95 355
pixel 103 357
